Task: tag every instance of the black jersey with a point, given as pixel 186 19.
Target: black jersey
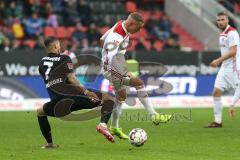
pixel 54 68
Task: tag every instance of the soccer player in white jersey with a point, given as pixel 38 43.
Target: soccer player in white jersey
pixel 114 69
pixel 226 77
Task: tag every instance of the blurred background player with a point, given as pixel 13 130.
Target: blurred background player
pixel 226 77
pixel 85 100
pixel 114 69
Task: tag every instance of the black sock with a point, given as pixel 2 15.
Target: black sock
pixel 106 111
pixel 45 128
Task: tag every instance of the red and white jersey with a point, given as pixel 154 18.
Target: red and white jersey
pixel 227 39
pixel 116 40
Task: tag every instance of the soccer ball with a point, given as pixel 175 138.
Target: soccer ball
pixel 137 137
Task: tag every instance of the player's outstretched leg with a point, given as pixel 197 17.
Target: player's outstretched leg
pixel 45 129
pixel 117 111
pixel 144 99
pixel 217 123
pixel 106 111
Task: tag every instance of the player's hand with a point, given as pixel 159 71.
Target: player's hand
pixel 93 96
pixel 215 63
pixel 231 112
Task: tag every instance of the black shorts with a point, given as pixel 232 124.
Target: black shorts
pixel 63 105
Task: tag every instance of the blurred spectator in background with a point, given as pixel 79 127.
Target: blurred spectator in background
pixel 39 42
pixel 7 32
pixel 52 19
pixel 165 24
pixel 17 29
pixel 79 38
pixel 35 6
pixel 155 29
pixel 70 15
pixel 15 9
pixel 33 26
pixel 93 35
pixel 2 23
pixel 84 12
pixel 3 10
pixel 229 4
pixel 172 43
pixel 57 6
pixel 22 22
pixel 4 42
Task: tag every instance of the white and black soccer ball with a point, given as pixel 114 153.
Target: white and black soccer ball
pixel 137 137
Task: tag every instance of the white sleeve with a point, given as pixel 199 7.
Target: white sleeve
pixel 233 38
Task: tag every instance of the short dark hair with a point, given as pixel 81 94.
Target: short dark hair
pixel 49 40
pixel 222 14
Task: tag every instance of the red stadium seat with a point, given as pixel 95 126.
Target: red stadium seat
pixel 70 30
pixel 84 28
pixel 147 44
pixel 143 33
pixel 17 43
pixel 158 45
pixel 104 29
pixel 30 43
pixel 140 34
pixel 132 45
pixel 146 15
pixel 61 33
pixel 130 6
pixel 157 15
pixel 237 8
pixel 49 31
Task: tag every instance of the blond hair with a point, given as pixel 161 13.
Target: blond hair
pixel 136 16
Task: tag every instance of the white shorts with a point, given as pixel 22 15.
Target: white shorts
pixel 116 72
pixel 226 79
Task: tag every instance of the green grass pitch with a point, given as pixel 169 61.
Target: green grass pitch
pixel 184 138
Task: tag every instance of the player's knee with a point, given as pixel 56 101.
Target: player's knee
pixel 137 83
pixel 217 92
pixel 121 95
pixel 107 97
pixel 108 101
pixel 40 112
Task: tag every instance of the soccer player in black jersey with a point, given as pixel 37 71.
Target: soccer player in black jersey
pixel 66 93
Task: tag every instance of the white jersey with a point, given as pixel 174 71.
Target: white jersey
pixel 227 77
pixel 115 41
pixel 227 39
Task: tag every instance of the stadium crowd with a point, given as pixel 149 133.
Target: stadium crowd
pixel 25 23
pixel 231 5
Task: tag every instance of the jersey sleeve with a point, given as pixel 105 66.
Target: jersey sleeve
pixel 233 39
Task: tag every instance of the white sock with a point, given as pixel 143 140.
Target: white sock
pixel 116 114
pixel 217 109
pixel 144 99
pixel 236 96
pixel 103 124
